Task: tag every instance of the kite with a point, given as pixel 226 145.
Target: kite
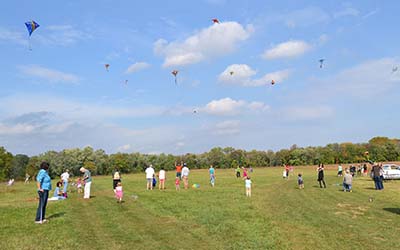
pixel 195 111
pixel 175 73
pixel 126 81
pixel 231 72
pixel 321 61
pixel 394 69
pixel 272 82
pixel 107 66
pixel 31 27
pixel 215 20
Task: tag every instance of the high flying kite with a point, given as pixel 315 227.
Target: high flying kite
pixel 175 73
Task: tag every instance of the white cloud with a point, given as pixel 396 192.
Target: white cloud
pixel 305 17
pixel 371 78
pixel 227 106
pixel 216 40
pixel 137 67
pixel 63 35
pixel 287 49
pixel 229 127
pixel 124 148
pixel 48 74
pixel 348 11
pixel 241 74
pixel 14 129
pixel 307 113
pixel 13 36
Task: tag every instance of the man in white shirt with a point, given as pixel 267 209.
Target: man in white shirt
pixel 185 175
pixel 65 178
pixel 149 176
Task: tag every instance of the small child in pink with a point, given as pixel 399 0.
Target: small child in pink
pixel 118 192
pixel 177 186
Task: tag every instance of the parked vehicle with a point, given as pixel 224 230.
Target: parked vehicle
pixel 391 171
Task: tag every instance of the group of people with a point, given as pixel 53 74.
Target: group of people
pixel 43 184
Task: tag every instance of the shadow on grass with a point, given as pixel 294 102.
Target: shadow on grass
pixel 392 210
pixel 370 188
pixel 57 215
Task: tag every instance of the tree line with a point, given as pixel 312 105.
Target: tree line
pixel 100 163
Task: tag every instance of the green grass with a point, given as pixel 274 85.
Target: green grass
pixel 277 216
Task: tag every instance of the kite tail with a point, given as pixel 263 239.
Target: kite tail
pixel 176 81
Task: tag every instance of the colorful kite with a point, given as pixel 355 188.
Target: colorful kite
pixel 272 82
pixel 31 26
pixel 215 20
pixel 175 73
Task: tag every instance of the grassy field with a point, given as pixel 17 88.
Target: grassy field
pixel 277 216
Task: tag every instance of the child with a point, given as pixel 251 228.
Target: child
pixel 238 172
pixel 58 195
pixel 177 186
pixel 118 192
pixel 79 185
pixel 244 173
pixel 347 181
pixel 300 181
pixel 161 177
pixel 248 186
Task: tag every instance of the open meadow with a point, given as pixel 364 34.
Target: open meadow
pixel 277 216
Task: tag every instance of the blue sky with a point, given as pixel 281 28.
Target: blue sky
pixel 59 94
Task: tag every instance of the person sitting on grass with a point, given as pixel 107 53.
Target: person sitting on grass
pixel 347 181
pixel 58 194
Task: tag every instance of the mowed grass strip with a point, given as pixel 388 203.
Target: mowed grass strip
pixel 277 216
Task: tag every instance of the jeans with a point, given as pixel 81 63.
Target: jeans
pixel 86 194
pixel 41 210
pixel 65 187
pixel 378 183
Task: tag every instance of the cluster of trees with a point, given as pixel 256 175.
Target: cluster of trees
pixel 16 166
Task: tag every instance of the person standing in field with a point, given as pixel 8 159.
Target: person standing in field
pixel 87 179
pixel 119 192
pixel 347 181
pixel 185 175
pixel 149 177
pixel 244 173
pixel 178 168
pixel 27 176
pixel 65 179
pixel 116 178
pixel 248 186
pixel 43 183
pixel 177 184
pixel 300 181
pixel 238 172
pixel 211 171
pixel 376 172
pixel 321 176
pixel 340 170
pixel 287 169
pixel 162 178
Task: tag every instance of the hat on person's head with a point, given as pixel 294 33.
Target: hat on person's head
pixel 82 169
pixel 184 164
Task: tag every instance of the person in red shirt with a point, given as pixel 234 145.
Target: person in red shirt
pixel 178 170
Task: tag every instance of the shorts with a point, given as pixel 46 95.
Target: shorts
pixel 150 180
pixel 300 182
pixel 339 172
pixel 162 180
pixel 178 174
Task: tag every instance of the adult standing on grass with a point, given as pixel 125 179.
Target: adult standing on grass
pixel 211 170
pixel 340 170
pixel 161 177
pixel 320 179
pixel 238 172
pixel 65 179
pixel 87 179
pixel 116 178
pixel 149 177
pixel 347 181
pixel 376 172
pixel 185 175
pixel 43 182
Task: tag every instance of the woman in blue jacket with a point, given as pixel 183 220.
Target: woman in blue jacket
pixel 43 182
